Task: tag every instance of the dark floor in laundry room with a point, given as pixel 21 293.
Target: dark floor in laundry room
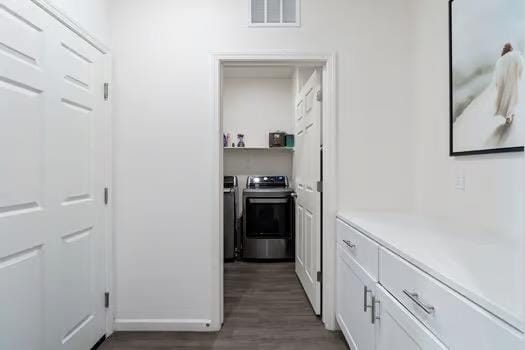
pixel 264 308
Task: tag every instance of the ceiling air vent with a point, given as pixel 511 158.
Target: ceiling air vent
pixel 274 13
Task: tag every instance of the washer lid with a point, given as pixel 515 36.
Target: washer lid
pixel 269 181
pixel 230 182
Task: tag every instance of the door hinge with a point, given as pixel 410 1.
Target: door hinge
pixel 319 96
pixel 319 276
pixel 106 300
pixel 319 186
pixel 106 91
pixel 106 196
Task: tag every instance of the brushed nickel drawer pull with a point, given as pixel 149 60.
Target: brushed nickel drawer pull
pixel 375 302
pixel 349 244
pixel 365 299
pixel 429 309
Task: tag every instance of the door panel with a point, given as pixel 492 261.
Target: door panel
pixel 308 236
pixel 21 292
pixel 52 151
pixel 21 108
pixel 307 171
pixel 77 257
pixel 299 239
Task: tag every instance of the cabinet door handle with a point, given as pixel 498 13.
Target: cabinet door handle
pixel 349 244
pixel 429 309
pixel 365 299
pixel 374 316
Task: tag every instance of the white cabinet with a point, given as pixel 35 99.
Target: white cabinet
pixel 384 302
pixel 354 297
pixel 369 317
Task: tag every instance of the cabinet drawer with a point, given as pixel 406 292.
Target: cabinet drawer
pixel 456 321
pixel 361 248
pixel 398 329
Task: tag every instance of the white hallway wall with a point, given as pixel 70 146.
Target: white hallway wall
pixel 163 125
pixel 493 196
pixel 91 15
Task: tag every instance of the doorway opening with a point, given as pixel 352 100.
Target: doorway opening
pixel 275 122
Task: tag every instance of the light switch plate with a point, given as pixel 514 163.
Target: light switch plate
pixel 460 180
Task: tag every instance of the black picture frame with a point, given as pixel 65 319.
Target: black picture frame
pixel 453 153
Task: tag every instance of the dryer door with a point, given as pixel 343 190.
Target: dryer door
pixel 269 217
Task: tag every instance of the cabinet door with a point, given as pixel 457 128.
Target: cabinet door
pixel 397 329
pixel 354 321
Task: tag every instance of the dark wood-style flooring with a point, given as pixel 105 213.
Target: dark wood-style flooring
pixel 265 308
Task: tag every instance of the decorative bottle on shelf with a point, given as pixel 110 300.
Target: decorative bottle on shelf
pixel 240 137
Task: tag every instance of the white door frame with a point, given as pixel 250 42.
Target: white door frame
pixel 328 62
pixel 76 28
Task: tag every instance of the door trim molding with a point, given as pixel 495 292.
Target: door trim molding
pixel 71 24
pixel 108 213
pixel 330 197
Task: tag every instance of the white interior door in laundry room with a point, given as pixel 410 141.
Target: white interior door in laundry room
pixel 307 175
pixel 52 180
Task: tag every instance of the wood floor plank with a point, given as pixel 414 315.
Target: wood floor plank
pixel 265 308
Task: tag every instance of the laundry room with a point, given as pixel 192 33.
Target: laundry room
pixel 272 169
pixel 259 105
pixel 272 165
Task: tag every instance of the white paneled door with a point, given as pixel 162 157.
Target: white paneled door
pixel 307 173
pixel 52 179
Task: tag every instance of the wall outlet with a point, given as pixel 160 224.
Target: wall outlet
pixel 460 180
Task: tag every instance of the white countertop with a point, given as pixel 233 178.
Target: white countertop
pixel 480 265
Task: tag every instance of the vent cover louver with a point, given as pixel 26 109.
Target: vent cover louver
pixel 258 15
pixel 289 11
pixel 274 13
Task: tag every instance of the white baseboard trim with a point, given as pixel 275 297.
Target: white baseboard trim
pixel 164 324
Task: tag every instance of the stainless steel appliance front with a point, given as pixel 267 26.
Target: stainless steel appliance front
pixel 269 219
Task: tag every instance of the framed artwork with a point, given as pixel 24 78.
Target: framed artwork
pixel 487 90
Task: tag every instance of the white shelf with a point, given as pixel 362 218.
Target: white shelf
pixel 289 149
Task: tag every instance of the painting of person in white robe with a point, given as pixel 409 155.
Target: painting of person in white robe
pixel 507 75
